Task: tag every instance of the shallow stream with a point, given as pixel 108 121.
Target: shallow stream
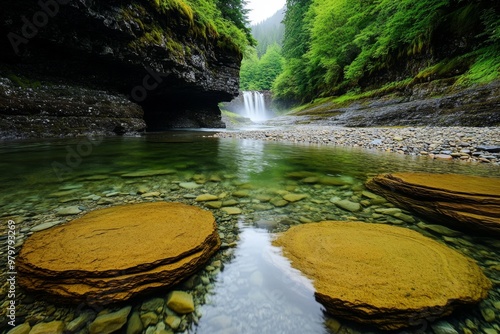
pixel 248 287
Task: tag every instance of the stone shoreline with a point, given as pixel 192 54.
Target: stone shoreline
pixel 468 144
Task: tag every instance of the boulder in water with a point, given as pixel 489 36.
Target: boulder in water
pixel 382 275
pixel 470 203
pixel 116 253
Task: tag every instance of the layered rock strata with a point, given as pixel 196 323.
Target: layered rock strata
pixel 470 203
pixel 149 53
pixel 116 253
pixel 382 275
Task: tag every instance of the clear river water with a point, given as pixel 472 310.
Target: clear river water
pixel 248 287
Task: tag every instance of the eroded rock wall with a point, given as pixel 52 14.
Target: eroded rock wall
pixel 137 57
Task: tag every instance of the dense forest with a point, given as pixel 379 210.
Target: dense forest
pixel 268 32
pixel 263 63
pixel 333 47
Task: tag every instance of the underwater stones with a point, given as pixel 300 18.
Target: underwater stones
pixel 116 253
pixel 279 202
pixel 53 327
pixel 206 198
pixel 44 226
pixel 20 329
pixel 148 173
pixel 134 324
pixel 110 322
pixel 189 185
pixel 294 197
pixel 443 327
pixel 241 193
pixel 180 302
pixel 439 229
pixel 335 181
pixel 231 210
pixel 76 324
pixel 348 205
pixel 382 275
pixel 465 202
pixel 68 211
pixel 213 204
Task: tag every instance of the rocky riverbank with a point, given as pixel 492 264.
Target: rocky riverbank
pixel 464 144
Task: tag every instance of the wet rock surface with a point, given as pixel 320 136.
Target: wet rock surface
pixel 382 275
pixel 62 110
pixel 470 203
pixel 431 104
pixel 113 254
pixel 109 62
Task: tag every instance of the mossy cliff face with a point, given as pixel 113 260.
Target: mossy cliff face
pixel 151 63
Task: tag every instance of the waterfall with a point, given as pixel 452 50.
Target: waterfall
pixel 255 107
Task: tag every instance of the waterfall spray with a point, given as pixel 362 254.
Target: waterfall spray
pixel 255 107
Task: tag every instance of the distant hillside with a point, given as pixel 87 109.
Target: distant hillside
pixel 269 32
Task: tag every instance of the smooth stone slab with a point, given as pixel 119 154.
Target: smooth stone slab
pixel 68 211
pixel 230 210
pixel 44 226
pixel 206 198
pixel 148 173
pixel 294 197
pixel 462 202
pixel 180 302
pixel 116 253
pixel 382 275
pixel 111 322
pixel 53 327
pixel 348 205
pixel 189 185
pixel 489 148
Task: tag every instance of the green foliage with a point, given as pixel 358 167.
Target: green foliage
pixel 235 12
pixel 210 20
pixel 333 46
pixel 296 34
pixel 446 68
pixel 485 68
pixel 289 84
pixel 259 74
pixel 491 21
pixel 269 32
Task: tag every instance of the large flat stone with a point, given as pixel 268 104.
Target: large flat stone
pixel 116 253
pixel 382 275
pixel 465 202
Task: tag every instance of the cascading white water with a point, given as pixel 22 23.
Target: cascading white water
pixel 255 107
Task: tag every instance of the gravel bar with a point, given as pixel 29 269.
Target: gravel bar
pixel 469 144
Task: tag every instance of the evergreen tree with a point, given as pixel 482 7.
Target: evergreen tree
pixel 296 34
pixel 235 11
pixel 268 32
